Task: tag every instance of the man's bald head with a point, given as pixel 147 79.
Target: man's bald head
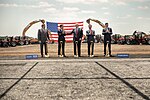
pixel 76 25
pixel 43 26
pixel 90 26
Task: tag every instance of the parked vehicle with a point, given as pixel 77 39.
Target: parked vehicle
pixel 34 41
pixel 19 40
pixel 4 41
pixel 123 39
pixel 7 41
pixel 139 38
pixel 12 41
pixel 115 38
pixel 26 40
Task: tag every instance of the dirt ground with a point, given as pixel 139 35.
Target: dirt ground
pixel 98 50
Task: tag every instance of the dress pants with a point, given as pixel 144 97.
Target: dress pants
pixel 61 46
pixel 41 47
pixel 89 46
pixel 77 46
pixel 109 47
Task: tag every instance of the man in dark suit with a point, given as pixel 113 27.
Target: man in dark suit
pixel 77 38
pixel 43 37
pixel 90 40
pixel 61 42
pixel 107 32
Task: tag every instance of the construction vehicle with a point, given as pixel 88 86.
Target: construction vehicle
pixel 138 37
pixel 4 41
pixel 115 38
pixel 7 41
pixel 98 38
pixel 123 39
pixel 34 40
pixel 19 40
pixel 148 39
pixel 26 40
pixel 97 21
pixel 12 41
pixel 30 24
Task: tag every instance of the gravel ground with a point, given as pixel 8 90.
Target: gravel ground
pixel 75 79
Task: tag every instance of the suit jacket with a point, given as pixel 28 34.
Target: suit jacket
pixel 43 35
pixel 61 35
pixel 90 37
pixel 75 36
pixel 107 35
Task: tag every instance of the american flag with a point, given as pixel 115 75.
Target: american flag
pixel 68 27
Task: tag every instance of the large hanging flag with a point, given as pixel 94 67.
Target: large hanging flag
pixel 68 27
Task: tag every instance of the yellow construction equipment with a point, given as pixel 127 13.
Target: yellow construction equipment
pixel 95 20
pixel 30 24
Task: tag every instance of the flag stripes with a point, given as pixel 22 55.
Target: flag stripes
pixel 68 27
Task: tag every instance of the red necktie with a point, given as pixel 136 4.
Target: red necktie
pixel 91 32
pixel 77 32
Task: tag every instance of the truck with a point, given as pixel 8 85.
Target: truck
pixel 115 38
pixel 123 39
pixel 22 40
pixel 138 37
pixel 34 40
pixel 6 41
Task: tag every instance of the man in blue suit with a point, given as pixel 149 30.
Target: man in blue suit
pixel 107 32
pixel 61 41
pixel 90 40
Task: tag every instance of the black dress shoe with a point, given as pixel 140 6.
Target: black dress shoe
pixel 65 56
pixel 111 56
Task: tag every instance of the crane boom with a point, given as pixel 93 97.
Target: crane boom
pixel 95 20
pixel 30 24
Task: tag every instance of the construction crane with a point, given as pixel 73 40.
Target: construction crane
pixel 31 23
pixel 95 20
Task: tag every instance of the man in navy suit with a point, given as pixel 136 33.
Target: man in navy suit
pixel 77 38
pixel 107 32
pixel 90 40
pixel 61 41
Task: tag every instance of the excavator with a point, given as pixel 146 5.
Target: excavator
pixel 32 23
pixel 97 21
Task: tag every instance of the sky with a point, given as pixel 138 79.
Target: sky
pixel 123 16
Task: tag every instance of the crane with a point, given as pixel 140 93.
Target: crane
pixel 95 20
pixel 32 23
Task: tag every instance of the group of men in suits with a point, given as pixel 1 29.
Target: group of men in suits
pixel 77 38
pixel 43 37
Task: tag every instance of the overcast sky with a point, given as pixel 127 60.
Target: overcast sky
pixel 123 16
